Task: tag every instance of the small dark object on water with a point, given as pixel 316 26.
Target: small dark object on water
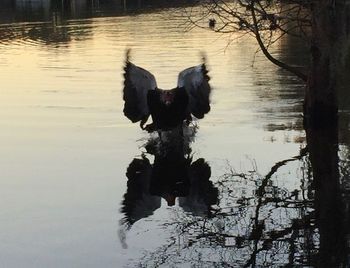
pixel 212 23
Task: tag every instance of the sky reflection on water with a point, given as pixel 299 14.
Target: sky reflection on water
pixel 66 148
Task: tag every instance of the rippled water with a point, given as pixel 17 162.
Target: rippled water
pixel 66 146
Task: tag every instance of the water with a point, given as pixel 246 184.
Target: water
pixel 66 147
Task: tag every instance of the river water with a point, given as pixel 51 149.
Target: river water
pixel 66 147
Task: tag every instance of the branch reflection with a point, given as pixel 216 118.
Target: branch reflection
pixel 263 221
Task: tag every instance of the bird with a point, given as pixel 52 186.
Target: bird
pixel 170 108
pixel 212 23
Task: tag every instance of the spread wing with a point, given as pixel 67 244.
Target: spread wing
pixel 138 203
pixel 196 82
pixel 137 82
pixel 202 194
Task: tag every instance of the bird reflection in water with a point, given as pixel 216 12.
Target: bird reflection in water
pixel 174 174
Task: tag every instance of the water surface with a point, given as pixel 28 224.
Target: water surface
pixel 66 148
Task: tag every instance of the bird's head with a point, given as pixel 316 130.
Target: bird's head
pixel 167 97
pixel 170 199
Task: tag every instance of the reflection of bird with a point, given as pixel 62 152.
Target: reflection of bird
pixel 168 108
pixel 170 176
pixel 138 203
pixel 202 194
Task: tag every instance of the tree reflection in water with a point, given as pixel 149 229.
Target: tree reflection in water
pixel 258 221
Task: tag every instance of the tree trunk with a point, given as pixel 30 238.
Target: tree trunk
pixel 330 207
pixel 328 20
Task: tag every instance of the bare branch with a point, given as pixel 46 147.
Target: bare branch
pixel 287 67
pixel 267 21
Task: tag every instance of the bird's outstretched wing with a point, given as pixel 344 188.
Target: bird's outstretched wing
pixel 202 193
pixel 138 203
pixel 137 82
pixel 196 82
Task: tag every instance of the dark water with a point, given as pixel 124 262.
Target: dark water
pixel 81 186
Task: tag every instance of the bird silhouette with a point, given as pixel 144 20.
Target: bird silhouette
pixel 212 23
pixel 170 177
pixel 168 108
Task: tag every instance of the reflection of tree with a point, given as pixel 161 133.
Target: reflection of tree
pixel 331 198
pixel 57 32
pixel 262 222
pixel 48 34
pixel 42 10
pixel 281 97
pixel 51 19
pixel 40 33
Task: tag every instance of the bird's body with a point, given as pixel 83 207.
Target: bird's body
pixel 168 108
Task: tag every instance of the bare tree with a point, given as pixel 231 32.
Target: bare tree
pixel 321 24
